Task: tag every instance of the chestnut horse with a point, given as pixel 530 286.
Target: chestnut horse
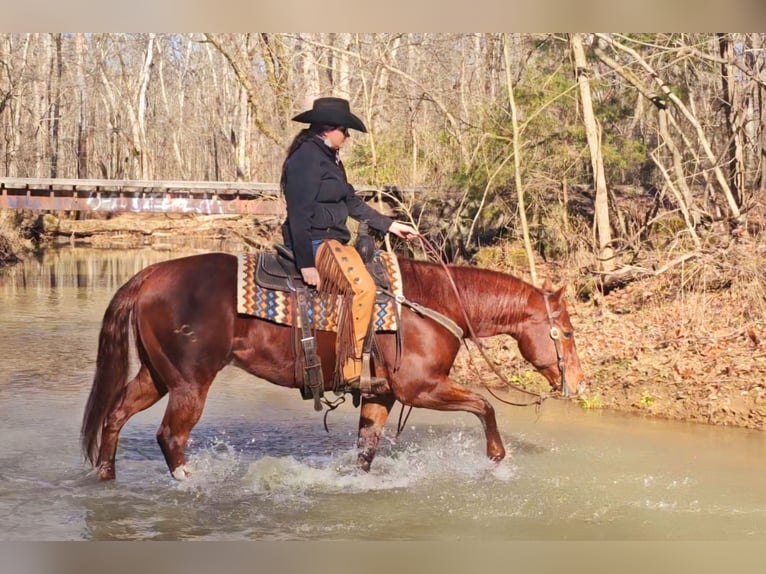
pixel 183 315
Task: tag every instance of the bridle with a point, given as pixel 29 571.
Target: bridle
pixel 556 336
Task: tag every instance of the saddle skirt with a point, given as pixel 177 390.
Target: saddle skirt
pixel 266 286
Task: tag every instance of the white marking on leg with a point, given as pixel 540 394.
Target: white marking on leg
pixel 181 473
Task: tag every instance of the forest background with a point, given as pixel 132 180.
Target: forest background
pixel 628 166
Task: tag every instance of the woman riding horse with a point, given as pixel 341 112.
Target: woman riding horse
pixel 319 201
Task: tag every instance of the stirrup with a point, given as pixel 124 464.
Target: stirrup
pixel 365 385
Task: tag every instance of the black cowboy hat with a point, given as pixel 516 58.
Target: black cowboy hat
pixel 331 112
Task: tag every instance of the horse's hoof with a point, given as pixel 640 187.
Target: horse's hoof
pixel 181 473
pixel 364 463
pixel 496 456
pixel 106 472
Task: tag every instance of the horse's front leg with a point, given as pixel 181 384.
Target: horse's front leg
pixel 372 418
pixel 446 395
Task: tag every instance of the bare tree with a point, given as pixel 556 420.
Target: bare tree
pixel 15 130
pixel 667 95
pixel 138 121
pixel 217 106
pixel 517 164
pixel 593 134
pixel 240 68
pixel 82 107
pixel 759 63
pixel 276 58
pixel 54 99
pixel 734 114
pixel 309 89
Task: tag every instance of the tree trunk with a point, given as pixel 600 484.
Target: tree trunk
pixel 82 105
pixel 686 199
pixel 343 85
pixel 683 196
pixel 139 125
pixel 731 97
pixel 277 64
pixel 310 74
pixel 16 128
pixel 517 163
pixel 243 139
pixel 54 97
pixel 592 132
pixel 38 106
pixel 759 103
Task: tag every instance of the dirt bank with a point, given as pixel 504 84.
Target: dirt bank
pixel 13 243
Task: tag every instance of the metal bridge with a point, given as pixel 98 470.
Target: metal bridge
pixel 199 197
pixel 111 195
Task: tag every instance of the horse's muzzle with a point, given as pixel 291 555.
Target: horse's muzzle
pixel 567 393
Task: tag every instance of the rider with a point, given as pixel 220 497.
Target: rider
pixel 319 200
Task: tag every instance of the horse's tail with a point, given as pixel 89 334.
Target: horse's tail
pixel 111 365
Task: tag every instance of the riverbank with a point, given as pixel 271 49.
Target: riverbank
pixel 684 345
pixel 13 244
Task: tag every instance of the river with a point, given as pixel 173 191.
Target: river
pixel 265 469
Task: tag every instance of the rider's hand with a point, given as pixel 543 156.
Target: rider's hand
pixel 310 276
pixel 403 230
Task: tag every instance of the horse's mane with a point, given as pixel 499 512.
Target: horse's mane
pixel 489 297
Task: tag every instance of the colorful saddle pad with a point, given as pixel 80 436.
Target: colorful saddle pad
pixel 279 306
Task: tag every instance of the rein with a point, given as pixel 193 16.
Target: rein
pixel 538 397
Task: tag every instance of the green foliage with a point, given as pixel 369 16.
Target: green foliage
pixel 591 402
pixel 361 167
pixel 646 400
pixel 623 159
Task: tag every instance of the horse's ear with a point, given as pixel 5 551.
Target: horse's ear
pixel 560 292
pixel 547 285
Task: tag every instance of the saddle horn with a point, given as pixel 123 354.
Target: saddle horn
pixel 364 244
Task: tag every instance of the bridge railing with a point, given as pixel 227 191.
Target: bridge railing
pixel 110 195
pixel 198 197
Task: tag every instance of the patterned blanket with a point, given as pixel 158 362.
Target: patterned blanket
pixel 279 306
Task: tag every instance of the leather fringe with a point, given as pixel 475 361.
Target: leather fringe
pixel 335 287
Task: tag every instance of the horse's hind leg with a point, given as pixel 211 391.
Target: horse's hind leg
pixel 446 395
pixel 372 418
pixel 139 394
pixel 184 409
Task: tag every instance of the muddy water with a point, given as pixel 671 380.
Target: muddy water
pixel 265 469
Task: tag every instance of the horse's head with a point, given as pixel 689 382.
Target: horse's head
pixel 547 341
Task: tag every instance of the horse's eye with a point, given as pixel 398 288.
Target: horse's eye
pixel 567 334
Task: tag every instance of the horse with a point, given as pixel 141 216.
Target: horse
pixel 186 328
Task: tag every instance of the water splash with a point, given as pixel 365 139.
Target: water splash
pixel 433 457
pixel 212 469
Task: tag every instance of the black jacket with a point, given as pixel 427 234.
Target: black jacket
pixel 320 199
